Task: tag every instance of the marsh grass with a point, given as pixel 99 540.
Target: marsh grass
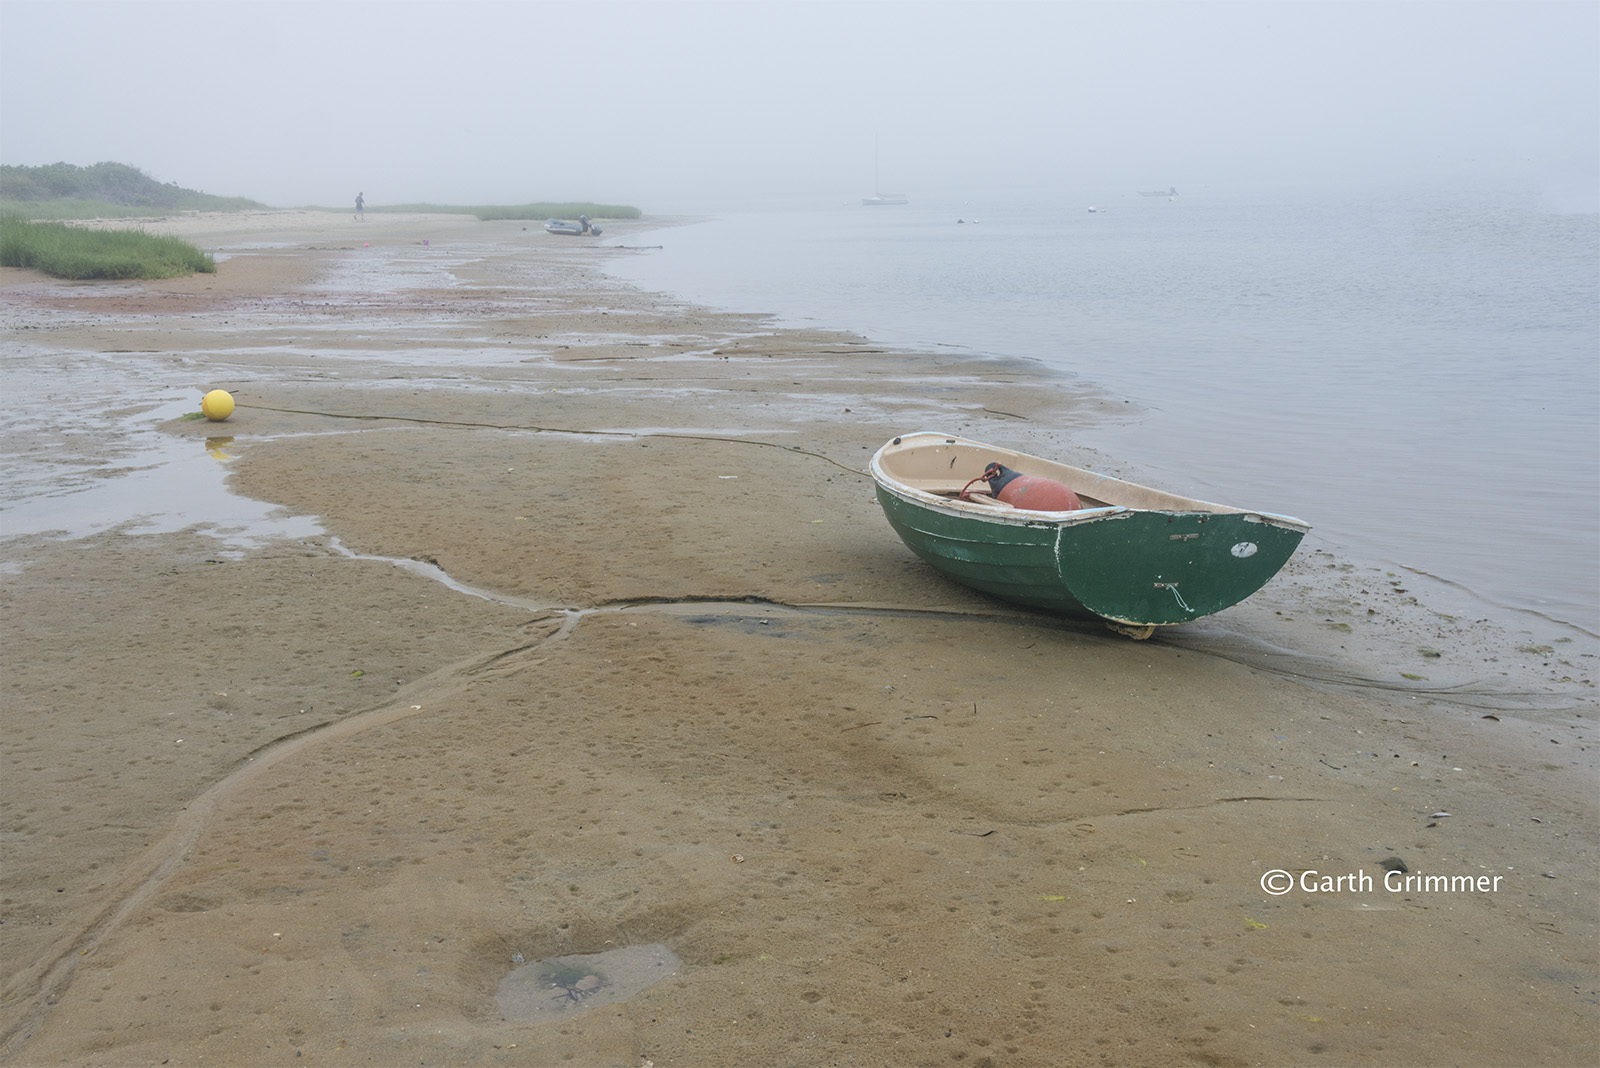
pixel 77 253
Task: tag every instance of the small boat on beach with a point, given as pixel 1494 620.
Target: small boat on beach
pixel 1083 544
pixel 581 228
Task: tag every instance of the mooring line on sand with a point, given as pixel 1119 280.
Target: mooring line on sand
pixel 1291 665
pixel 530 428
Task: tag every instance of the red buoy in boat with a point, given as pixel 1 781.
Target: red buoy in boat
pixel 1028 491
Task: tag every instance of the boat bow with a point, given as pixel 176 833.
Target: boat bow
pixel 1157 568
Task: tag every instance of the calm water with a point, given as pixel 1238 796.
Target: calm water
pixel 1418 377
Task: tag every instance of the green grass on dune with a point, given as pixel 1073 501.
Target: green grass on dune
pixel 490 212
pixel 80 208
pixel 77 253
pixel 118 191
pixel 101 191
pixel 35 200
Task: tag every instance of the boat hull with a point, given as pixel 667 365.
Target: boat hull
pixel 1135 567
pixel 582 228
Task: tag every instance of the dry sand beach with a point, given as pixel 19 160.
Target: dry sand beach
pixel 596 646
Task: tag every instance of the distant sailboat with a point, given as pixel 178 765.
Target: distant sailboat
pixel 881 198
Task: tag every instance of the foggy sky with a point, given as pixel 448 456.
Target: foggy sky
pixel 666 104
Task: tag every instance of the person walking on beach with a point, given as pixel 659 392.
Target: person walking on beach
pixel 361 207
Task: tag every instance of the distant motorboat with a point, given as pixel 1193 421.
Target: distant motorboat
pixel 581 228
pixel 1170 194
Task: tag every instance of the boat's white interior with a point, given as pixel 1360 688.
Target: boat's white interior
pixel 942 464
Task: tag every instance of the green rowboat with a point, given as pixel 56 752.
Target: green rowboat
pixel 1137 558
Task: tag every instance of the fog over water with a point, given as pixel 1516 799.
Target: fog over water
pixel 673 105
pixel 736 109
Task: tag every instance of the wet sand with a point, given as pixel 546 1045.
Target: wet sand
pixel 604 643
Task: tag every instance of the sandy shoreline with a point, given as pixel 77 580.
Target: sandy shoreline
pixel 604 643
